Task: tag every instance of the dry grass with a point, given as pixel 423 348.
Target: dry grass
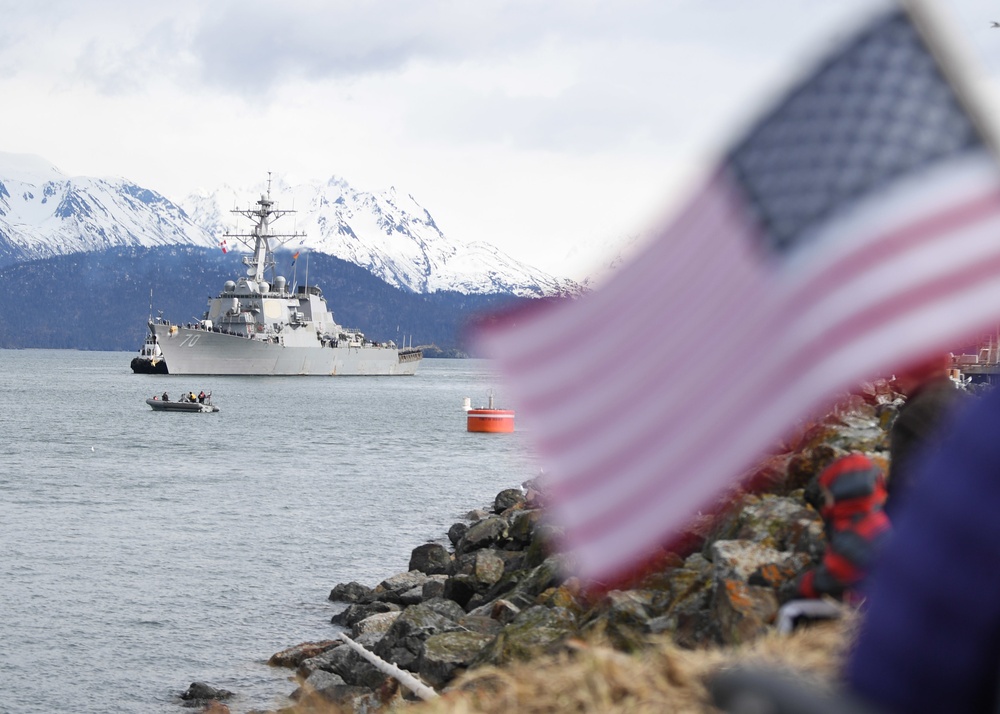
pixel 592 678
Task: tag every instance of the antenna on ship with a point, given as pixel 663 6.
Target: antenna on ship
pixel 263 215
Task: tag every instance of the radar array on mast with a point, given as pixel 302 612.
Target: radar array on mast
pixel 262 216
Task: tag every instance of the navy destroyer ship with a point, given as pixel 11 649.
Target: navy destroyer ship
pixel 261 327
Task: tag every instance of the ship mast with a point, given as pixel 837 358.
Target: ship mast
pixel 262 215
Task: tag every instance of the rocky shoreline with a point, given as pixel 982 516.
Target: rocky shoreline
pixel 498 594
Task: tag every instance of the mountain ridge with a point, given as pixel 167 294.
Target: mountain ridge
pixel 101 300
pixel 45 213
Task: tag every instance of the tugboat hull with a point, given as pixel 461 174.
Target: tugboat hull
pixel 146 365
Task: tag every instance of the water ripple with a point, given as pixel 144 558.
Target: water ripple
pixel 144 551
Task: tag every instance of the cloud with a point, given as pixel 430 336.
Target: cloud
pixel 563 76
pixel 249 45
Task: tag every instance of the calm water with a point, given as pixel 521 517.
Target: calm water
pixel 141 551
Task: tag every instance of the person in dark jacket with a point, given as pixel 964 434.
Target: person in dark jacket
pixel 931 396
pixel 853 494
pixel 930 639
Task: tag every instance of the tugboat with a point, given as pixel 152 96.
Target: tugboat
pixel 257 326
pixel 150 359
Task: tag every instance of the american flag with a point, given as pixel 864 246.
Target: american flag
pixel 855 228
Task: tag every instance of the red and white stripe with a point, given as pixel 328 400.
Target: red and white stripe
pixel 648 397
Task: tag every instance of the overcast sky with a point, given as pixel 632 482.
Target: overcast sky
pixel 539 126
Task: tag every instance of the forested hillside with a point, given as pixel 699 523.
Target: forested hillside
pixel 101 301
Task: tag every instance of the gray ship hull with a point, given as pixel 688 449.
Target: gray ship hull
pixel 197 351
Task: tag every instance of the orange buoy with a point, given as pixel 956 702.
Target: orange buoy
pixel 489 420
pixel 492 421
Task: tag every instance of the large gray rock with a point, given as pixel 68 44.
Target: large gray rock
pixel 293 656
pixel 778 522
pixel 413 596
pixel 522 527
pixel 376 624
pixel 481 624
pixel 350 592
pixel 535 630
pixel 201 692
pixel 445 608
pixel 508 498
pixel 434 587
pixel 354 614
pixel 481 534
pixel 348 664
pixel 320 682
pixel 403 644
pixel 430 559
pixel 323 687
pixel 686 607
pixel 460 589
pixel 527 589
pixel 624 617
pixel 456 532
pixel 739 558
pixel 500 610
pixel 488 569
pixel 447 653
pixel 743 612
pixel 392 589
pixel 476 579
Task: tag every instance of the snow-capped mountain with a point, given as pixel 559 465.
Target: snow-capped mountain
pixel 616 255
pixel 388 233
pixel 44 213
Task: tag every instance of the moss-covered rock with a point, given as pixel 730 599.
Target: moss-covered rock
pixel 488 569
pixel 376 624
pixel 403 642
pixel 293 656
pixel 445 654
pixel 522 526
pixel 743 612
pixel 737 559
pixel 507 499
pixel 537 629
pixel 483 533
pixel 430 559
pixel 622 616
